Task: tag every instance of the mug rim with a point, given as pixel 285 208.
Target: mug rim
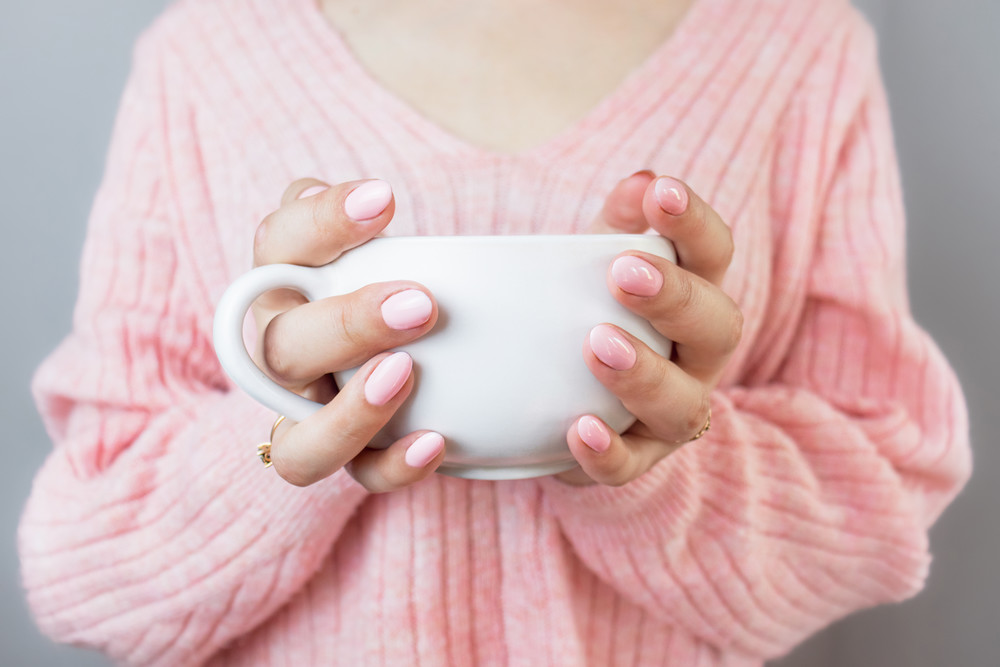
pixel 534 238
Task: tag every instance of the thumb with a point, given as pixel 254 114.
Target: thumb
pixel 622 211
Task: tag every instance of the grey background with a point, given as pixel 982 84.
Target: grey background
pixel 62 67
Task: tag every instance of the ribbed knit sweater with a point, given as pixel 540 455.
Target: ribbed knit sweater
pixel 838 435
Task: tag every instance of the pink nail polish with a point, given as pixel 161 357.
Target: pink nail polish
pixel 671 195
pixel 407 310
pixel 367 200
pixel 388 378
pixel 423 450
pixel 593 433
pixel 636 276
pixel 612 348
pixel 313 191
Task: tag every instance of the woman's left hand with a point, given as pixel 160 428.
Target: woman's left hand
pixel 684 302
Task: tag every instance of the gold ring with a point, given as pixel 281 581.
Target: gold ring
pixel 703 431
pixel 264 448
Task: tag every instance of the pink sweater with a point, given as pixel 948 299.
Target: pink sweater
pixel 839 432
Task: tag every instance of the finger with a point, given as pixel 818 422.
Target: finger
pixel 316 229
pixel 703 321
pixel 339 332
pixel 405 462
pixel 608 458
pixel 673 404
pixel 305 452
pixel 703 241
pixel 622 211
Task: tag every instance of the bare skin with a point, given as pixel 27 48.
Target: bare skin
pixel 302 343
pixel 503 74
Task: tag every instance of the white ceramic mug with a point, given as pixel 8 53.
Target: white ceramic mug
pixel 501 376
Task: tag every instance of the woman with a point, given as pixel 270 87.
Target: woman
pixel 837 430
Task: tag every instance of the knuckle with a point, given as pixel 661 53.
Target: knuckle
pixel 698 218
pixel 293 475
pixel 322 211
pixel 696 416
pixel 291 469
pixel 607 473
pixel 377 474
pixel 727 247
pixel 618 480
pixel 261 240
pixel 684 293
pixel 373 485
pixel 396 478
pixel 617 209
pixel 344 319
pixel 366 477
pixel 274 353
pixel 648 383
pixel 616 475
pixel 622 214
pixel 734 333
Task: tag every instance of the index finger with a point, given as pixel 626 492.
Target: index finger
pixel 622 210
pixel 703 241
pixel 314 226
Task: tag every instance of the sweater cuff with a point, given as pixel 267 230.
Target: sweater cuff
pixel 223 445
pixel 665 495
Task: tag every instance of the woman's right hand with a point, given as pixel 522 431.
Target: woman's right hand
pixel 301 343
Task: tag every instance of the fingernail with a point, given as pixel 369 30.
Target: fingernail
pixel 367 200
pixel 611 348
pixel 671 195
pixel 313 191
pixel 424 449
pixel 407 309
pixel 636 276
pixel 388 378
pixel 593 433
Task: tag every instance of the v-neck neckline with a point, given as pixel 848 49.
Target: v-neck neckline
pixel 319 35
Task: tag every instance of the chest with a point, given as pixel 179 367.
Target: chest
pixel 498 76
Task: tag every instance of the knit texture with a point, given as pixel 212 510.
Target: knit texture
pixel 839 432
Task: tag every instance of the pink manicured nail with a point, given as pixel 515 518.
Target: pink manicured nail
pixel 611 348
pixel 367 200
pixel 424 449
pixel 636 276
pixel 593 433
pixel 407 310
pixel 313 191
pixel 388 378
pixel 671 195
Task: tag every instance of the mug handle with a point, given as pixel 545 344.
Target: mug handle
pixel 227 334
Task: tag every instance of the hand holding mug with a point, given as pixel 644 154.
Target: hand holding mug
pixel 500 375
pixel 300 342
pixel 669 395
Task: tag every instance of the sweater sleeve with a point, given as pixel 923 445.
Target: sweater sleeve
pixel 152 532
pixel 813 492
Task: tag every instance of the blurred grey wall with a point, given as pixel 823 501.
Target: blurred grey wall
pixel 62 67
pixel 941 61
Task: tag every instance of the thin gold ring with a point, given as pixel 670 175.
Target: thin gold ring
pixel 703 431
pixel 264 448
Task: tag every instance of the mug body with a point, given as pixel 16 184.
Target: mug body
pixel 502 376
